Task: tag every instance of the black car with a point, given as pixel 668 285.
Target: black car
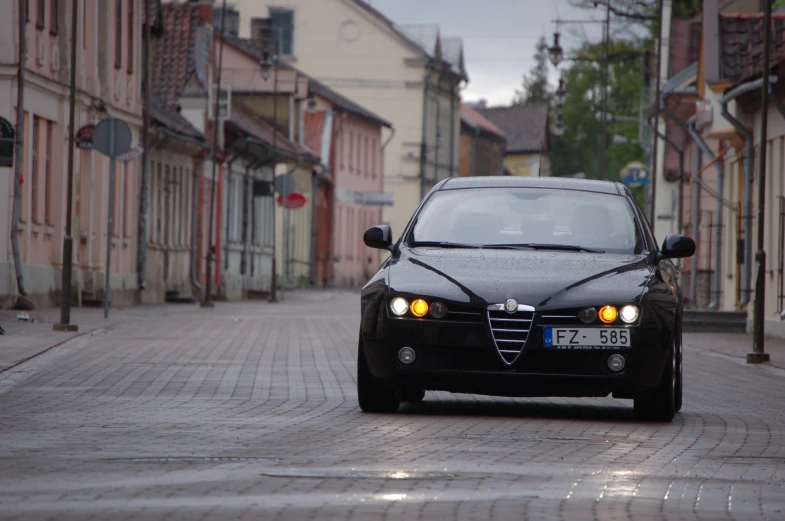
pixel 514 286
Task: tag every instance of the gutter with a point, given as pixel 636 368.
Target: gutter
pixel 696 189
pixel 749 150
pixel 715 303
pixel 423 145
pixel 196 171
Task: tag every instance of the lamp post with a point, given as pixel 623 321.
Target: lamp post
pixel 556 54
pixel 758 355
pixel 68 240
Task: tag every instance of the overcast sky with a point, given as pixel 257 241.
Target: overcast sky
pixel 499 36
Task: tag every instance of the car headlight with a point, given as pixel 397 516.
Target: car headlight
pixel 608 314
pixel 629 314
pixel 419 308
pixel 399 306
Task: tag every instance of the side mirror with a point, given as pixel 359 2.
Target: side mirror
pixel 379 237
pixel 677 246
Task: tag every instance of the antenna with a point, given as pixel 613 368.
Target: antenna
pixel 539 169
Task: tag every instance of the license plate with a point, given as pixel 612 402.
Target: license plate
pixel 586 338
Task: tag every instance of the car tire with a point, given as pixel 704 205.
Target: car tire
pixel 660 404
pixel 372 396
pixel 413 395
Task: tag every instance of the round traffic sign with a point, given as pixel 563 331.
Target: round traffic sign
pixel 284 184
pixel 292 201
pixel 122 137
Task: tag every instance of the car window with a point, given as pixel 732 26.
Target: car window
pixel 490 216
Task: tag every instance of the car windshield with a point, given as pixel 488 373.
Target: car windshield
pixel 527 218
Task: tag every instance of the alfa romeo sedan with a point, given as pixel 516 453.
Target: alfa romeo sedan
pixel 514 286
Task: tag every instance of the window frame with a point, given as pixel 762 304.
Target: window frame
pixel 279 32
pixel 118 37
pixel 54 18
pixel 40 15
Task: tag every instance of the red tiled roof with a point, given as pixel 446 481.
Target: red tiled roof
pixel 741 44
pixel 526 126
pixel 478 120
pixel 254 126
pixel 177 56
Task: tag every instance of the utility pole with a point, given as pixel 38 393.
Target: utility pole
pixel 68 240
pixel 604 120
pixel 144 196
pixel 19 147
pixel 758 338
pixel 206 302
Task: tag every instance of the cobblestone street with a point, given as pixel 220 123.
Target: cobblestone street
pixel 249 411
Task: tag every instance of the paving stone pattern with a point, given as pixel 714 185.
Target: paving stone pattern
pixel 248 411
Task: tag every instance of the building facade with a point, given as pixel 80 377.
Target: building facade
pixel 526 130
pixel 482 147
pixel 409 75
pixel 109 83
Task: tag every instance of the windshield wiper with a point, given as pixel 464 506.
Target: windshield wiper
pixel 536 246
pixel 443 244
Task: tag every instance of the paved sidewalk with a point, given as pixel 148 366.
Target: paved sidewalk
pixel 736 345
pixel 24 340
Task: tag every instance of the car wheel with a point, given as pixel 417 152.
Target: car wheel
pixel 373 397
pixel 679 378
pixel 413 395
pixel 660 404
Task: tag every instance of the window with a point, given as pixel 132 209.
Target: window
pixel 34 170
pixel 131 31
pixel 374 146
pixel 367 158
pixel 54 22
pixel 40 18
pixel 118 34
pixel 159 206
pixel 26 7
pixel 48 173
pixel 351 152
pixel 282 22
pixel 126 203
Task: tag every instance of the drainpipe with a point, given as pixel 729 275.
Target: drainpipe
pixel 194 215
pixel 749 150
pixel 715 302
pixel 423 144
pixel 696 189
pixel 229 175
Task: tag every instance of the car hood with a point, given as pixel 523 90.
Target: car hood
pixel 543 279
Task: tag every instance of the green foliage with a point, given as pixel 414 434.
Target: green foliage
pixel 777 4
pixel 577 150
pixel 687 8
pixel 535 84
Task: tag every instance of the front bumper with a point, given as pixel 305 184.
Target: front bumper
pixel 462 357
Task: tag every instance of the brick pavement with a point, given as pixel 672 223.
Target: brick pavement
pixel 248 411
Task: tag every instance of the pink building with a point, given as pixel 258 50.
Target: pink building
pixel 108 79
pixel 353 201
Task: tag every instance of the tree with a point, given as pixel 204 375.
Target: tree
pixel 576 150
pixel 535 84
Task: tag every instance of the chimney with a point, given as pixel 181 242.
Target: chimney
pixel 205 8
pixel 711 41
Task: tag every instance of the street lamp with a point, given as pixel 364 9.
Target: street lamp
pixel 559 127
pixel 266 64
pixel 556 53
pixel 560 96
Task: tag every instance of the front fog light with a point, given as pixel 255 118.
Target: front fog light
pixel 406 355
pixel 629 314
pixel 399 306
pixel 616 363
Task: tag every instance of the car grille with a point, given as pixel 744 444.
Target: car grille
pixel 510 332
pixel 567 317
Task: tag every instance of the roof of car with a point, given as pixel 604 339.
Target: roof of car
pixel 561 183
